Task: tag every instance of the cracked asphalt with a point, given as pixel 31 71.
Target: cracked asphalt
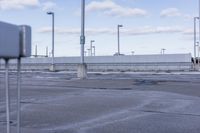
pixel 105 103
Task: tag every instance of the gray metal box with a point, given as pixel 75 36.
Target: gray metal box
pixel 25 41
pixel 9 40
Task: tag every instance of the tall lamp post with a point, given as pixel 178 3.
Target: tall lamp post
pixel 132 52
pixel 195 38
pixel 197 45
pixel 52 68
pixel 82 67
pixel 163 51
pixel 94 53
pixel 91 46
pixel 118 38
pixel 82 37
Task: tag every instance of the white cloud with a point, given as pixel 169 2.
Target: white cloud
pixel 147 30
pixel 110 8
pixel 170 12
pixel 21 4
pixel 17 4
pixel 174 12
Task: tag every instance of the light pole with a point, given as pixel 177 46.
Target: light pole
pixel 197 45
pixel 199 19
pixel 132 52
pixel 82 37
pixel 47 51
pixel 118 38
pixel 52 13
pixel 198 56
pixel 91 46
pixel 35 50
pixel 94 54
pixel 195 18
pixel 163 51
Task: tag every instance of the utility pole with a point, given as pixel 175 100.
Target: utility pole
pixel 36 51
pixel 52 68
pixel 94 54
pixel 91 53
pixel 118 38
pixel 82 67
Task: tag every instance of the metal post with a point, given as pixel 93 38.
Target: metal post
pixel 47 51
pixel 163 51
pixel 91 46
pixel 18 95
pixel 7 96
pixel 195 18
pixel 198 55
pixel 82 38
pixel 35 50
pixel 53 20
pixel 199 19
pixel 94 54
pixel 118 38
pixel 132 52
pixel 53 39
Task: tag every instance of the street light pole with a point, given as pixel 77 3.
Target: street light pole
pixel 35 50
pixel 198 56
pixel 195 18
pixel 118 38
pixel 197 45
pixel 91 47
pixel 163 51
pixel 94 54
pixel 52 13
pixel 82 38
pixel 82 67
pixel 199 19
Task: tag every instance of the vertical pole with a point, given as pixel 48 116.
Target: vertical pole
pixel 47 51
pixel 94 51
pixel 198 54
pixel 195 40
pixel 82 38
pixel 91 48
pixel 199 21
pixel 118 40
pixel 18 95
pixel 35 50
pixel 53 39
pixel 7 97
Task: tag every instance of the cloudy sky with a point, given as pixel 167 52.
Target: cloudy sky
pixel 149 25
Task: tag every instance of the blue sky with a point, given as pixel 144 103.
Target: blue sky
pixel 149 25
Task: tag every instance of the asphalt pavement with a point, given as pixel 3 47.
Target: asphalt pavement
pixel 105 103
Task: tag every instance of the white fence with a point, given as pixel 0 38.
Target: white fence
pixel 171 62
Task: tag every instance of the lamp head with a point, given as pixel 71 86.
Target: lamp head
pixel 50 13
